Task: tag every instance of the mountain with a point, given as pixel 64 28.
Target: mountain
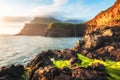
pixel 109 17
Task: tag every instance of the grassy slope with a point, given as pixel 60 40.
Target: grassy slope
pixel 60 26
pixel 113 68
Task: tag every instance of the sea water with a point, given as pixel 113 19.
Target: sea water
pixel 21 49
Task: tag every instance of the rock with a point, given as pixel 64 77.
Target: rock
pixel 74 60
pixel 63 77
pixel 67 54
pixel 98 67
pixel 116 54
pixel 12 72
pixel 90 73
pixel 107 33
pixel 46 73
pixel 66 71
pixel 101 43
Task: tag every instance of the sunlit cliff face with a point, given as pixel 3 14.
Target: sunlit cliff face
pixel 109 17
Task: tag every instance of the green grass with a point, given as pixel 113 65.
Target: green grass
pixel 61 63
pixel 113 68
pixel 60 26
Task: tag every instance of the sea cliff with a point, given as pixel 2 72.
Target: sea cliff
pixel 51 27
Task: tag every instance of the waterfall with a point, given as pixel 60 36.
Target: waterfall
pixel 75 33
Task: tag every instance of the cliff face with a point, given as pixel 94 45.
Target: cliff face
pixel 38 26
pixel 52 28
pixel 34 29
pixel 65 30
pixel 109 17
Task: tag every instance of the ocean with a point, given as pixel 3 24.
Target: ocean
pixel 21 49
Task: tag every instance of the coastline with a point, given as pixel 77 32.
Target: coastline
pixel 46 65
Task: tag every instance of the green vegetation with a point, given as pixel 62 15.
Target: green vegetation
pixel 113 68
pixel 59 26
pixel 28 69
pixel 49 26
pixel 61 63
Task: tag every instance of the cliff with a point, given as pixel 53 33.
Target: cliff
pixel 109 17
pixel 51 27
pixel 65 30
pixel 34 29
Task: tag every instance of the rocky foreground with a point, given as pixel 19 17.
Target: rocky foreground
pixel 42 68
pixel 101 43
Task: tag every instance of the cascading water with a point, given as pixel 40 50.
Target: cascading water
pixel 75 33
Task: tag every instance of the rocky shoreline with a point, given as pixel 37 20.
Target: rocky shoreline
pixel 101 43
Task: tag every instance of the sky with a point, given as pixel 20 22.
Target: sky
pixel 18 12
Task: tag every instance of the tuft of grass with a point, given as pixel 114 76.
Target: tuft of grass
pixel 61 63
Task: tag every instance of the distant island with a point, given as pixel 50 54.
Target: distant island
pixel 51 27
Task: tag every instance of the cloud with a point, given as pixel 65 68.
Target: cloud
pixel 59 2
pixel 15 19
pixel 52 9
